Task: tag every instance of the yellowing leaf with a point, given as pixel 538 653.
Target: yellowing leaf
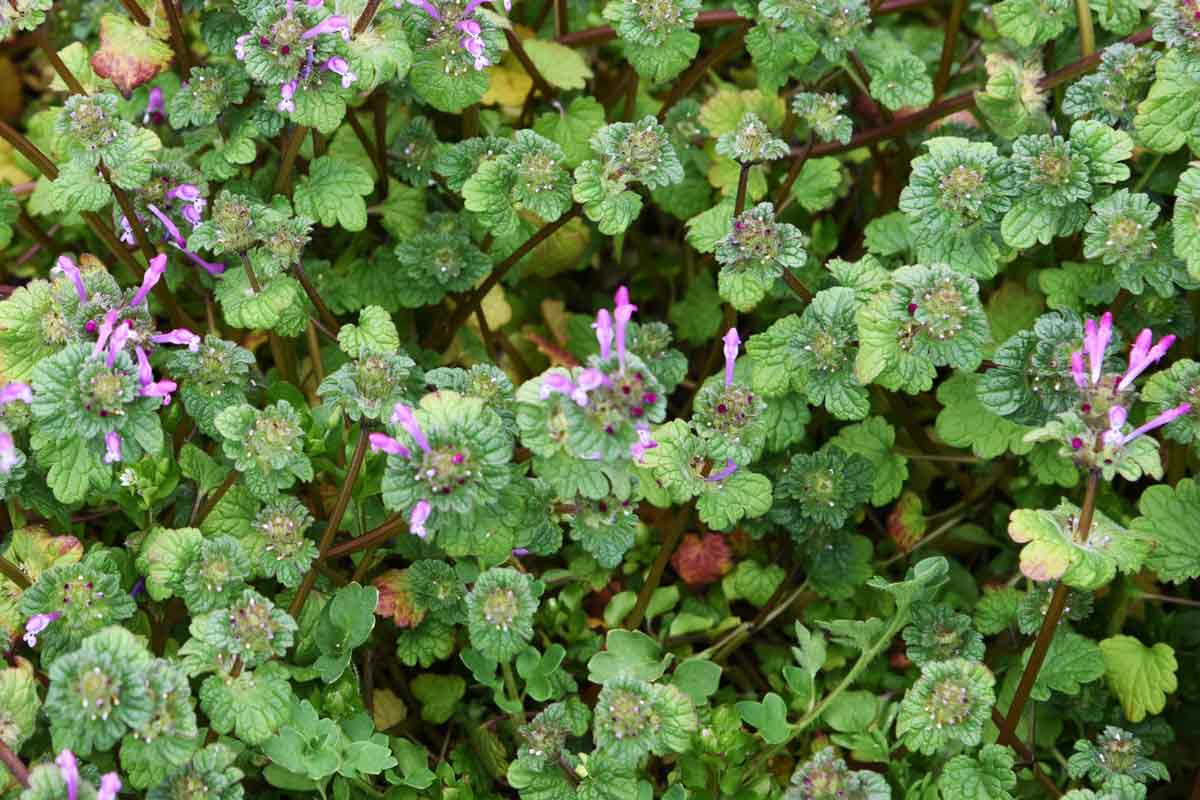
pixel 1141 676
pixel 560 65
pixel 509 84
pixel 129 54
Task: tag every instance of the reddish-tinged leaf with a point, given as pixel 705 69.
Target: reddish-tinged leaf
pixel 129 54
pixel 395 599
pixel 906 523
pixel 699 561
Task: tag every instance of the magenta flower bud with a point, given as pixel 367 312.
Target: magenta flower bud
pixel 179 336
pixel 418 517
pixel 8 452
pixel 338 66
pixel 286 93
pixel 730 468
pixel 154 107
pixel 520 552
pixel 69 768
pixel 116 342
pixel 333 24
pixel 1165 418
pixel 604 332
pixel 15 391
pixel 112 447
pixel 106 329
pixel 36 624
pixel 732 342
pixel 1142 356
pixel 194 203
pixel 381 442
pixel 621 315
pixel 169 226
pixel 66 265
pixel 158 265
pixel 470 27
pixel 403 416
pixel 425 6
pixel 637 450
pixel 110 784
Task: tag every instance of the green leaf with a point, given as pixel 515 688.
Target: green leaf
pixel 697 678
pixel 965 422
pixel 332 192
pixel 900 79
pixel 744 494
pixel 1167 527
pixel 375 334
pixel 768 717
pixel 1141 676
pixel 562 66
pixel 628 654
pixel 573 128
pixel 875 439
pixel 816 187
pixel 1071 661
pixel 753 581
pixel 986 776
pixel 1170 114
pixel 1053 548
pixel 439 695
pixel 252 705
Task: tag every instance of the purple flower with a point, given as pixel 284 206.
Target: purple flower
pixel 622 314
pixel 1165 418
pixel 168 224
pixel 8 452
pixel 592 378
pixel 70 773
pixel 179 336
pixel 158 265
pixel 730 468
pixel 425 6
pixel 150 387
pixel 520 552
pixel 36 624
pixel 1096 339
pixel 105 331
pixel 338 66
pixel 15 391
pixel 403 416
pixel 67 266
pixel 637 450
pixel 138 587
pixel 127 231
pixel 207 266
pixel 110 784
pixel 112 447
pixel 333 24
pixel 418 517
pixel 286 93
pixel 154 107
pixel 239 46
pixel 604 332
pixel 732 342
pixel 116 342
pixel 1142 355
pixel 1116 420
pixel 194 203
pixel 557 383
pixel 381 442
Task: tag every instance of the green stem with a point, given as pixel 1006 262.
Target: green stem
pixel 14 573
pixel 739 204
pixel 1087 35
pixel 510 685
pixel 203 511
pixel 864 661
pixel 1058 603
pixel 1137 187
pixel 654 576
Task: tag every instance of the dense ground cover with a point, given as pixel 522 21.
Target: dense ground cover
pixel 602 399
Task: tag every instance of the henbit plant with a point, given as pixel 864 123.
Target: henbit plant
pixel 638 398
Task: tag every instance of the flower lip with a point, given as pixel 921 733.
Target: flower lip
pixel 403 416
pixel 67 266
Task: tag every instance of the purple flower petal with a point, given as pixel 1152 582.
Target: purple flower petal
pixel 418 517
pixel 15 391
pixel 179 336
pixel 732 343
pixel 36 624
pixel 69 768
pixel 67 266
pixel 403 416
pixel 112 447
pixel 381 442
pixel 158 265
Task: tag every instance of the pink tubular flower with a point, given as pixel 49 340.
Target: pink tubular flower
pixel 1142 355
pixel 105 331
pixel 286 93
pixel 1165 418
pixel 155 106
pixel 239 46
pixel 158 265
pixel 637 450
pixel 403 416
pixel 179 336
pixel 194 203
pixel 732 343
pixel 557 383
pixel 338 66
pixel 425 6
pixel 381 442
pixel 110 784
pixel 1096 339
pixel 207 266
pixel 1116 420
pixel 36 624
pixel 8 452
pixel 15 391
pixel 333 24
pixel 730 468
pixel 151 387
pixel 418 517
pixel 69 768
pixel 1078 373
pixel 116 342
pixel 127 231
pixel 168 224
pixel 622 314
pixel 112 447
pixel 604 332
pixel 67 266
